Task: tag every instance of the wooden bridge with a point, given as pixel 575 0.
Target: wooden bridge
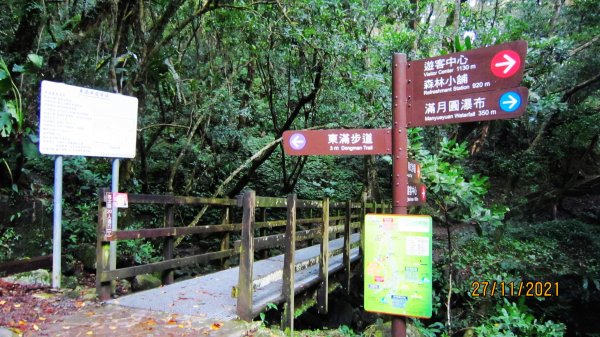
pixel 246 290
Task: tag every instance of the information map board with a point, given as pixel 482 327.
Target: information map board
pixel 85 122
pixel 398 264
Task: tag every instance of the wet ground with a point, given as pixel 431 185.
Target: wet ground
pixel 114 320
pixel 36 310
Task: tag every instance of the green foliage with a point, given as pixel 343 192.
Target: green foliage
pixel 215 88
pixel 347 331
pixel 456 198
pixel 137 252
pixel 7 243
pixel 432 330
pixel 79 225
pixel 262 315
pixel 512 320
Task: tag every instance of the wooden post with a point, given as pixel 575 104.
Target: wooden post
pixel 225 242
pixel 263 231
pixel 337 222
pixel 244 301
pixel 346 256
pixel 322 294
pixel 289 264
pixel 363 214
pixel 399 154
pixel 103 289
pixel 168 275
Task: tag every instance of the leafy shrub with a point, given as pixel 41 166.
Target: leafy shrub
pixel 512 319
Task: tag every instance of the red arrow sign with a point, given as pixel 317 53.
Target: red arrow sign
pixel 416 194
pixel 505 64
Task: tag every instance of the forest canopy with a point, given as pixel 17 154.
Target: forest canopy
pixel 219 81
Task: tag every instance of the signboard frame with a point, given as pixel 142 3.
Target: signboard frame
pixel 398 264
pixel 80 121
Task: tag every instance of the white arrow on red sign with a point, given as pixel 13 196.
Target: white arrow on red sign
pixel 505 63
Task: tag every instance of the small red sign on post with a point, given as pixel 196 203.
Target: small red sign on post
pixel 337 142
pixel 416 194
pixel 414 171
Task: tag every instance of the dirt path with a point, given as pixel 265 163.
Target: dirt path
pixel 114 320
pixel 30 310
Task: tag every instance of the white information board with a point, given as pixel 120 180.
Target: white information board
pixel 85 122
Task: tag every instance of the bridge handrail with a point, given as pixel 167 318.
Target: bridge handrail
pixel 248 245
pixel 169 231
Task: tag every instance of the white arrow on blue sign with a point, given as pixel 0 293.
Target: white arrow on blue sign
pixel 510 101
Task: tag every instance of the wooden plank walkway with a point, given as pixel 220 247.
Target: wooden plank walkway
pixel 210 295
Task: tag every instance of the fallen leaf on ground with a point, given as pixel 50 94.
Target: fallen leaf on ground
pixel 216 326
pixel 150 321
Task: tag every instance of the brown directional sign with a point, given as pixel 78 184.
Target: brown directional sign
pixel 338 142
pixel 472 107
pixel 482 69
pixel 416 194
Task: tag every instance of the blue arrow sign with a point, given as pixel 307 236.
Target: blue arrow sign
pixel 510 101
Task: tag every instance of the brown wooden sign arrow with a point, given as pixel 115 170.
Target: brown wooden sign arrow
pixel 337 142
pixel 472 107
pixel 482 69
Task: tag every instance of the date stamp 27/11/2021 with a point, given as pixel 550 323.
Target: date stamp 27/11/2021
pixel 512 289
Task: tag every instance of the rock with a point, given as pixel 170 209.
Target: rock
pixel 88 294
pixel 145 282
pixel 39 277
pixel 69 282
pixel 5 332
pixel 87 255
pixel 124 286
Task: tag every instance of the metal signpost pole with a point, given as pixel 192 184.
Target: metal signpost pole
pixel 112 262
pixel 399 154
pixel 57 226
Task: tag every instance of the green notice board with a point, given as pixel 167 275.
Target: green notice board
pixel 398 264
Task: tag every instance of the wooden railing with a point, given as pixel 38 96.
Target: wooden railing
pixel 168 232
pixel 25 265
pixel 318 219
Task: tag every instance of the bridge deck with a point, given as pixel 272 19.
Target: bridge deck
pixel 210 295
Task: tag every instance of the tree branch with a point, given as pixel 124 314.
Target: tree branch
pixel 583 46
pixel 567 95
